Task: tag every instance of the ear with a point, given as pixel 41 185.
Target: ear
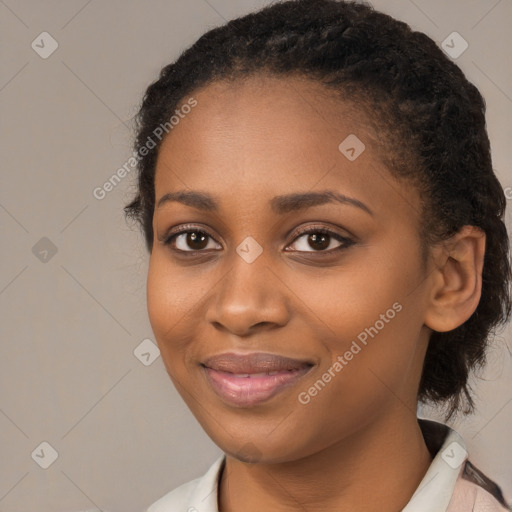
pixel 456 281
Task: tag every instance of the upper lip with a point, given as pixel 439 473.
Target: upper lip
pixel 256 362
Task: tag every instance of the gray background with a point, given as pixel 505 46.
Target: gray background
pixel 72 320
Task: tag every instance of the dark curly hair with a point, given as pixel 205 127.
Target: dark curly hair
pixel 430 117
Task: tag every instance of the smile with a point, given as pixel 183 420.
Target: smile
pixel 250 379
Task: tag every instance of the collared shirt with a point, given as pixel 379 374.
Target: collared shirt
pixel 451 484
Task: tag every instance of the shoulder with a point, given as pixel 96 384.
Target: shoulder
pixel 199 495
pixel 176 500
pixel 452 483
pixel 476 492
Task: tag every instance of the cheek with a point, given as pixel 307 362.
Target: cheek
pixel 370 314
pixel 172 303
pixel 370 371
pixel 347 301
pixel 160 301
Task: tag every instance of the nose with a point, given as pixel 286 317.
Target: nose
pixel 248 299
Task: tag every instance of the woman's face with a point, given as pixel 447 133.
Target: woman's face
pixel 281 342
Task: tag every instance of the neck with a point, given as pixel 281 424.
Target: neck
pixel 376 469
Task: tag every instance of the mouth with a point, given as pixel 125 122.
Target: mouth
pixel 245 380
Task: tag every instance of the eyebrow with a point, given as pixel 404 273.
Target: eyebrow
pixel 280 204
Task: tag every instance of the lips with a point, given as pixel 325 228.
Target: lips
pixel 254 363
pixel 246 380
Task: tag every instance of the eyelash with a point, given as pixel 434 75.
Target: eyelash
pixel 345 241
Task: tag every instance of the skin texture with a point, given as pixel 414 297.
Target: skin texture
pixel 245 143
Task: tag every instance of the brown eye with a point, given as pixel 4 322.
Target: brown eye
pixel 191 240
pixel 320 240
pixel 196 240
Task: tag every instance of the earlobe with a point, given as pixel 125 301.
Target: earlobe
pixel 456 282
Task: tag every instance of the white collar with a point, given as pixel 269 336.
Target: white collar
pixel 432 495
pixel 435 490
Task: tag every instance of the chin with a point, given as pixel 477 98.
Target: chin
pixel 257 446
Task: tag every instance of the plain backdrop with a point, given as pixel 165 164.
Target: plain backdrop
pixel 72 276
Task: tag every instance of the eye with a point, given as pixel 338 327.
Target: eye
pixel 319 239
pixel 310 240
pixel 190 239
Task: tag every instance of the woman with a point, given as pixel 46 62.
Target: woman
pixel 327 248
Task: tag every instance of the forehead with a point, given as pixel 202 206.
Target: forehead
pixel 266 136
pixel 287 114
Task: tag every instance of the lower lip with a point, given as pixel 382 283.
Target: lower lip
pixel 249 391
